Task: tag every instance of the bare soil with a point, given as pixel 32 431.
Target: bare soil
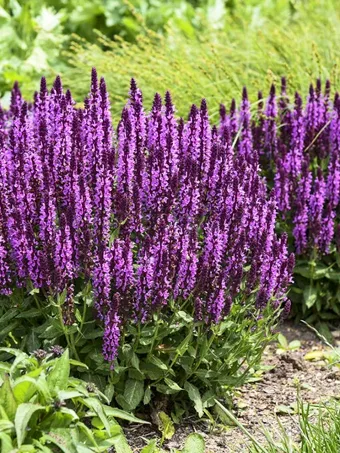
pixel 257 405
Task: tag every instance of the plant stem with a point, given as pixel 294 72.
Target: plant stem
pixel 136 344
pixel 154 337
pixel 69 338
pixel 82 319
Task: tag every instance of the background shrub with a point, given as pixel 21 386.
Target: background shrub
pixel 257 44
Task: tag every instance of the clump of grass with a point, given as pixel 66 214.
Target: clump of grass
pixel 255 47
pixel 318 426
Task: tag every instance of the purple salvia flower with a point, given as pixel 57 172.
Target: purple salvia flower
pixel 333 180
pixel 112 324
pixel 295 154
pixel 245 142
pixel 270 135
pixel 327 230
pixel 16 99
pixel 301 212
pixel 234 126
pixel 316 206
pixel 63 255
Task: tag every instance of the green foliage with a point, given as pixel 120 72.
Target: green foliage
pixel 43 407
pixel 316 292
pixel 259 42
pixel 30 42
pixel 34 32
pixel 171 359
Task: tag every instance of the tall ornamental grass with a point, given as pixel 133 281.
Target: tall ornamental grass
pixel 161 232
pixel 257 43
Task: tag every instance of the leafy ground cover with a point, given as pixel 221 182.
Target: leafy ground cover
pixel 43 408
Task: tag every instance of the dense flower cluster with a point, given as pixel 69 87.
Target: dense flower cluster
pixel 300 148
pixel 161 210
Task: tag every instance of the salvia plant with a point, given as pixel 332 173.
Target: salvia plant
pixel 299 152
pixel 161 232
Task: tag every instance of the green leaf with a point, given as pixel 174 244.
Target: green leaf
pixel 324 331
pixel 133 392
pixel 118 413
pixel 194 443
pixel 151 371
pixel 195 396
pixel 185 316
pixel 184 345
pixel 81 449
pixel 5 425
pixel 136 374
pixel 156 361
pixel 7 399
pixel 282 341
pixel 109 391
pixel 122 402
pixel 33 341
pixel 5 367
pixel 166 426
pixel 283 409
pixel 316 273
pixel 69 412
pixel 6 443
pixel 295 344
pixel 151 447
pixel 333 275
pixel 79 364
pixel 4 320
pixel 147 396
pixel 58 378
pixel 173 385
pixel 135 360
pixel 120 444
pixel 162 388
pixel 22 418
pixel 62 438
pixel 310 295
pixel 88 433
pixel 32 313
pixel 43 388
pixel 97 407
pixel 24 388
pixel 68 394
pixel 13 351
pixel 97 423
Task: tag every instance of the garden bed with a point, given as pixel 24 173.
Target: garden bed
pixel 265 402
